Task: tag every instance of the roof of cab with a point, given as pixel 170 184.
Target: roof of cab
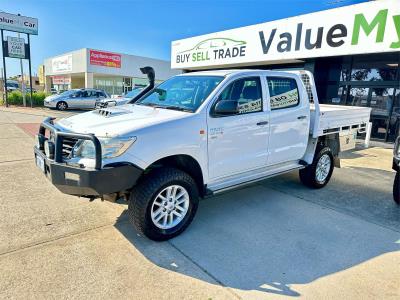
pixel 220 72
pixel 228 72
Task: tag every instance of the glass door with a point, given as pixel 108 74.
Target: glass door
pixel 381 100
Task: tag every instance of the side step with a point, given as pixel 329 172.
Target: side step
pixel 209 192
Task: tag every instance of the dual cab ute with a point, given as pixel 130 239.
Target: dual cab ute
pixel 196 135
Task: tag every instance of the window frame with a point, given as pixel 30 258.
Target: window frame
pixel 258 77
pixel 269 93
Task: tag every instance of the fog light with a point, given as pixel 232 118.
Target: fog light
pixel 49 149
pixel 39 139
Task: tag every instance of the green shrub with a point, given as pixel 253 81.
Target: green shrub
pixel 15 98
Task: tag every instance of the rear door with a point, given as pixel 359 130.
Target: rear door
pixel 289 119
pixel 238 142
pixel 88 99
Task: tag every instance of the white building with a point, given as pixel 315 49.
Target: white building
pixel 115 73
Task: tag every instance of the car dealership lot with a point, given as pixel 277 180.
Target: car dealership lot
pixel 275 239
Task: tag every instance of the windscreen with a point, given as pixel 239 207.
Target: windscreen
pixel 133 93
pixel 67 93
pixel 182 92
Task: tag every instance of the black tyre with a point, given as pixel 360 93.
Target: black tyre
pixel 163 203
pixel 62 105
pixel 396 189
pixel 318 174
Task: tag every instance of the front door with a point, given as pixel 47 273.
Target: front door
pixel 238 142
pixel 290 119
pixel 74 100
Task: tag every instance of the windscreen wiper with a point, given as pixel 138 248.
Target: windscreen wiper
pixel 166 106
pixel 177 108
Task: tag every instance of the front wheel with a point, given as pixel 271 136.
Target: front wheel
pixel 396 189
pixel 62 105
pixel 318 174
pixel 163 203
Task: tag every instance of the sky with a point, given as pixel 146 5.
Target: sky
pixel 144 28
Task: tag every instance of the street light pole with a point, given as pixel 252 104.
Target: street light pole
pixel 22 81
pixel 4 68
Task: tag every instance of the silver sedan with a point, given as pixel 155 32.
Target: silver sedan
pixel 75 99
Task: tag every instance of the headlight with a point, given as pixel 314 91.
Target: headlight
pixel 110 147
pixel 49 149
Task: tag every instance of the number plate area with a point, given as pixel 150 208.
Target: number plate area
pixel 40 163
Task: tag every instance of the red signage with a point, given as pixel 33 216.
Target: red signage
pixel 105 59
pixel 59 79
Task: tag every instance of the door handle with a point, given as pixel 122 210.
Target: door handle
pixel 262 123
pixel 302 117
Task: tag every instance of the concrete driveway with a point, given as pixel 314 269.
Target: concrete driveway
pixel 276 239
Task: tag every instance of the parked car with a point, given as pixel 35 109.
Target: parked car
pixel 197 135
pixel 12 86
pixel 76 99
pixel 396 167
pixel 53 91
pixel 28 90
pixel 108 102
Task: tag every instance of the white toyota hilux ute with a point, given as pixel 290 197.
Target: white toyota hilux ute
pixel 196 135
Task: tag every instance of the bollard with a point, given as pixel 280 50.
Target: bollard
pixel 368 130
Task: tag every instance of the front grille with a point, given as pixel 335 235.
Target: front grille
pixel 67 146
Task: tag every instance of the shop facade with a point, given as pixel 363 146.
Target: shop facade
pixel 114 73
pixel 353 52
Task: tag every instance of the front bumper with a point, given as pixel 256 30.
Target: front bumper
pixel 78 181
pixel 395 164
pixel 396 157
pixel 50 104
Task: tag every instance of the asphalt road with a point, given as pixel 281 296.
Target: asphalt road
pixel 276 239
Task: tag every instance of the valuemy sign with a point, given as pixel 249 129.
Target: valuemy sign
pixel 18 23
pixel 16 47
pixel 371 27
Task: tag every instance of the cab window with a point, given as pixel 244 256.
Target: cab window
pixel 76 94
pixel 85 94
pixel 247 93
pixel 283 92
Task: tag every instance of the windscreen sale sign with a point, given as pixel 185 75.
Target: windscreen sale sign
pixel 371 27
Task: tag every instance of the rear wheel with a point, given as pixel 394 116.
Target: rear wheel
pixel 163 203
pixel 318 174
pixel 62 105
pixel 396 188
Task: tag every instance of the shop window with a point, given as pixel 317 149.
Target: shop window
pixel 394 122
pixel 381 101
pixel 383 68
pixel 341 94
pixel 358 97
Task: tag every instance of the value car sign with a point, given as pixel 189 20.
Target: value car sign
pixel 16 47
pixel 105 59
pixel 17 23
pixel 371 27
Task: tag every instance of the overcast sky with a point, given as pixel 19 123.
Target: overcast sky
pixel 143 28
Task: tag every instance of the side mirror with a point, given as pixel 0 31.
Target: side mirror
pixel 226 107
pixel 162 94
